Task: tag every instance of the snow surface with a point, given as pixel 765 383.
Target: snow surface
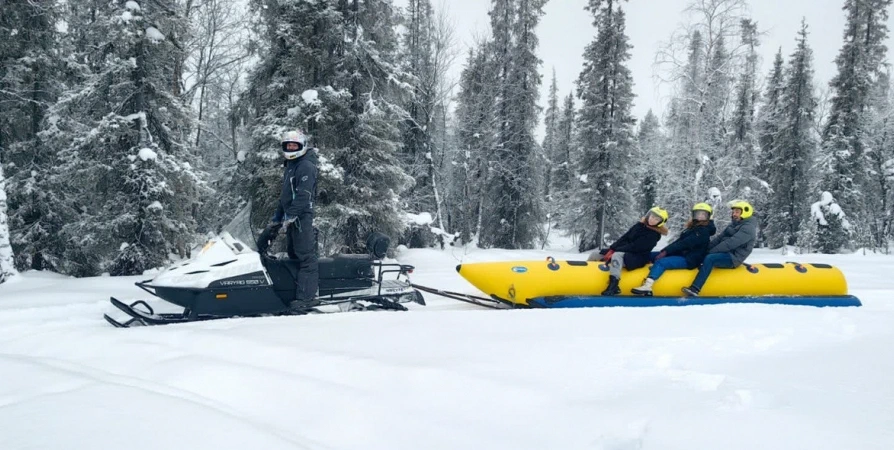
pixel 131 5
pixel 451 375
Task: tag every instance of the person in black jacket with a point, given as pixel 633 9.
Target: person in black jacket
pixel 295 214
pixel 730 248
pixel 632 250
pixel 687 252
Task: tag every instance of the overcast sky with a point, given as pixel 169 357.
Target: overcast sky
pixel 566 29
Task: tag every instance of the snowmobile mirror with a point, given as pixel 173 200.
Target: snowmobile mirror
pixel 377 244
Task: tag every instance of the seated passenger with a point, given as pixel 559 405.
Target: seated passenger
pixel 687 252
pixel 632 250
pixel 730 249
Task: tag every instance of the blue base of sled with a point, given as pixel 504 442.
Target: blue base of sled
pixel 605 302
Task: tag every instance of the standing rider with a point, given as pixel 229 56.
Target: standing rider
pixel 295 215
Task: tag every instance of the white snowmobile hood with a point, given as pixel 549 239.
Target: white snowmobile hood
pixel 221 258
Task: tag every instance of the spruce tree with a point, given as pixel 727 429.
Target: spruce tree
pixel 793 148
pixel 513 207
pixel 335 75
pixel 564 165
pixel 651 166
pixel 605 129
pixel 123 174
pixel 551 122
pixel 474 135
pixel 30 71
pixel 844 137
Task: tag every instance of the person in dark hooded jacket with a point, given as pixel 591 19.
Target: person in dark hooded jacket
pixel 687 252
pixel 632 250
pixel 295 214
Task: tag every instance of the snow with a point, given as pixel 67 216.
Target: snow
pixel 451 375
pixel 154 35
pixel 126 16
pixel 133 6
pixel 420 219
pixel 827 202
pixel 155 206
pixel 240 156
pixel 311 97
pixel 147 153
pixel 583 178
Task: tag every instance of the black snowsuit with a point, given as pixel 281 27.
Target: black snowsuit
pixel 296 201
pixel 692 244
pixel 636 244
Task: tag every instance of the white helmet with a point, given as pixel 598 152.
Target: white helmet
pixel 294 137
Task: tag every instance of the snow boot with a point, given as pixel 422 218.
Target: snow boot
pixel 645 289
pixel 612 288
pixel 301 305
pixel 691 291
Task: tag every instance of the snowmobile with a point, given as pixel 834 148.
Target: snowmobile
pixel 229 279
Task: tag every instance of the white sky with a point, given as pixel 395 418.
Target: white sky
pixel 566 29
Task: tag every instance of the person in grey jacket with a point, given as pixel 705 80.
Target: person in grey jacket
pixel 730 248
pixel 294 215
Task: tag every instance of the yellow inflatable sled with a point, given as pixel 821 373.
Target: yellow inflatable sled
pixel 557 284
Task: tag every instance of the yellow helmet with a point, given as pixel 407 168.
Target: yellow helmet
pixel 703 207
pixel 660 213
pixel 747 209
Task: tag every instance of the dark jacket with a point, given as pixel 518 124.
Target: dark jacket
pixel 692 244
pixel 737 239
pixel 299 188
pixel 636 244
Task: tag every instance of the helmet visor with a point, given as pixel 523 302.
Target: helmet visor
pixel 653 219
pixel 700 215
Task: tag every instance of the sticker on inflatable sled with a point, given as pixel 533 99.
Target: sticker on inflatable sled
pixel 519 269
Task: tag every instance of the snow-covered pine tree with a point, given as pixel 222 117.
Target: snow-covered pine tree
pixel 651 168
pixel 122 174
pixel 7 266
pixel 767 130
pixel 605 136
pixel 832 226
pixel 563 165
pixel 743 142
pixel 550 135
pixel 880 161
pixel 513 207
pixel 329 68
pixel 844 136
pixel 790 157
pixel 418 127
pixel 30 72
pixel 474 135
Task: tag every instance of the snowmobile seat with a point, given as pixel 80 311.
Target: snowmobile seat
pixel 338 274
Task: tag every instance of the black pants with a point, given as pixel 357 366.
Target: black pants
pixel 302 247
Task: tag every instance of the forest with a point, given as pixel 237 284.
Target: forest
pixel 132 130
